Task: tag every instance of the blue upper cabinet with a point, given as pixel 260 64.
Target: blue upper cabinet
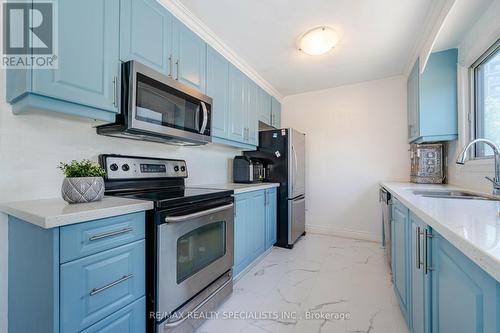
pixel 464 297
pixel 146 34
pixel 237 107
pixel 432 99
pixel 275 113
pixel 400 254
pixel 265 107
pixel 252 113
pixel 218 89
pixel 190 53
pixel 86 82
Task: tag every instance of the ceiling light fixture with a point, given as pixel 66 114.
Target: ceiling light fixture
pixel 318 41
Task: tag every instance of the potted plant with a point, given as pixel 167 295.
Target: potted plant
pixel 84 181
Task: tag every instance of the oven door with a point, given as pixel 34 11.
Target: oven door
pixel 162 106
pixel 193 251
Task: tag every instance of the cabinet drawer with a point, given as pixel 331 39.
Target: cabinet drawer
pixel 83 239
pixel 130 319
pixel 96 286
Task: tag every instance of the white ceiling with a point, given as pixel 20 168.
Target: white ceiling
pixel 378 37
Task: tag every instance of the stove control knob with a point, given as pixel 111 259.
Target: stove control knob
pixel 183 168
pixel 113 167
pixel 176 168
pixel 125 167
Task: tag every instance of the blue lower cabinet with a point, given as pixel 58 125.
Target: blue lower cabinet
pixel 271 217
pixel 254 226
pixel 65 283
pixel 242 215
pixel 400 254
pixel 420 318
pixel 83 239
pixel 96 286
pixel 439 289
pixel 130 319
pixel 464 297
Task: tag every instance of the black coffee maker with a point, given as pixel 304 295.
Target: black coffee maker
pixel 248 170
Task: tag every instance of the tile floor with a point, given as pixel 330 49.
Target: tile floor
pixel 344 283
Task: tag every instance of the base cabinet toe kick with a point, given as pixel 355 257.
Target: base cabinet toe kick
pixel 439 289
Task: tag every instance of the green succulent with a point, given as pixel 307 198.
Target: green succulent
pixel 84 168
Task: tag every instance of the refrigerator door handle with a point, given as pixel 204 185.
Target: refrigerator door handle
pixel 294 176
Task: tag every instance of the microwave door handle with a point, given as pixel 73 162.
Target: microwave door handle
pixel 205 117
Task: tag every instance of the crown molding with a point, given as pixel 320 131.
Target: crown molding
pixel 183 14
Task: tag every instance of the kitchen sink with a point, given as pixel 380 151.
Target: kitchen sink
pixel 454 194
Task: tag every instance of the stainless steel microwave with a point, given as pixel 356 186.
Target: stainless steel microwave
pixel 155 107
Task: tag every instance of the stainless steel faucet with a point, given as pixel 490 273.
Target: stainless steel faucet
pixel 496 151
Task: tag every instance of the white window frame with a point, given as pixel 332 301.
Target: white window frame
pixel 474 103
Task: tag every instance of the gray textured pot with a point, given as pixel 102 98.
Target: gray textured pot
pixel 82 189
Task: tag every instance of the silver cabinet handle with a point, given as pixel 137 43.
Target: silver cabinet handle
pixel 205 117
pixel 170 66
pixel 115 87
pixel 114 283
pixel 417 248
pixel 427 236
pixel 177 69
pixel 110 234
pixel 175 219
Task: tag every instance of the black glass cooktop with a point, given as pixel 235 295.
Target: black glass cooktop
pixel 167 197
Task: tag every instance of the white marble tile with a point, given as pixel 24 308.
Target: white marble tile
pixel 325 284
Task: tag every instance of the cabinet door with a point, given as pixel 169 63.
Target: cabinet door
pixel 400 254
pixel 271 218
pixel 275 113
pixel 420 280
pixel 237 114
pixel 146 34
pixel 129 319
pixel 464 297
pixel 241 238
pixel 218 89
pixel 252 113
pixel 190 54
pixel 412 86
pixel 265 108
pixel 88 39
pixel 256 224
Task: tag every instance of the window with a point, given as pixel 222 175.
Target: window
pixel 486 76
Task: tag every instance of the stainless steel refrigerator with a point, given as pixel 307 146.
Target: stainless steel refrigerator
pixel 283 154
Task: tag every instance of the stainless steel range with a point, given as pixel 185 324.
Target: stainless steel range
pixel 189 240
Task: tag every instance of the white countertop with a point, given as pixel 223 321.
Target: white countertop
pixel 241 188
pixel 472 226
pixel 51 213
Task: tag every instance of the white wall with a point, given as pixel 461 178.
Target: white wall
pixel 32 145
pixel 355 137
pixel 482 35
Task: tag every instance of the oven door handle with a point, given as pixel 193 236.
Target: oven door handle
pixel 175 219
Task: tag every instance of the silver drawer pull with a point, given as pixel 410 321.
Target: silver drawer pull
pixel 120 280
pixel 110 234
